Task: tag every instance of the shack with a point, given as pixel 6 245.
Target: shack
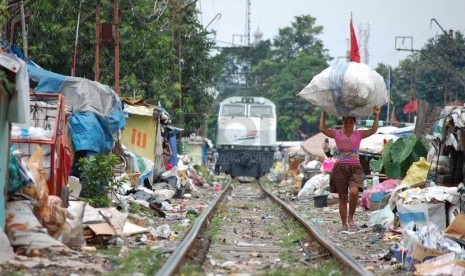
pixel 447 147
pixel 196 148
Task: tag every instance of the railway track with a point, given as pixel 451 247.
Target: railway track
pixel 246 229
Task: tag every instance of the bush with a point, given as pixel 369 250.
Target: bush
pixel 97 179
pixel 398 156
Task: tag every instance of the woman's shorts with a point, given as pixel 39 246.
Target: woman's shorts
pixel 345 176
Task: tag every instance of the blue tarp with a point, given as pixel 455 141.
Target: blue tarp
pixel 174 151
pixel 90 131
pixel 48 82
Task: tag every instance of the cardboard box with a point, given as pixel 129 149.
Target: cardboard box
pixel 446 264
pixel 418 253
pixel 457 228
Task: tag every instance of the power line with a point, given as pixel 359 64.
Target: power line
pixel 156 11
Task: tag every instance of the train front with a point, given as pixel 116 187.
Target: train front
pixel 246 136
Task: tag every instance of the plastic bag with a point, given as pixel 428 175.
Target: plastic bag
pixel 73 232
pixel 14 178
pixel 315 185
pixel 56 217
pixel 39 191
pixel 327 165
pixel 417 172
pixel 347 89
pixel 23 228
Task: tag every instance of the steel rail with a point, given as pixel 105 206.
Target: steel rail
pixel 336 251
pixel 171 265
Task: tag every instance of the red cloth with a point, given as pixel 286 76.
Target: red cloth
pixel 354 53
pixel 411 107
pixel 168 166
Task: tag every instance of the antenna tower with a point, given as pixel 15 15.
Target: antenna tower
pixel 247 26
pixel 364 35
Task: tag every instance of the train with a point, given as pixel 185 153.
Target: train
pixel 246 136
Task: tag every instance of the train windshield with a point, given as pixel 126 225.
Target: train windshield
pixel 233 110
pixel 261 111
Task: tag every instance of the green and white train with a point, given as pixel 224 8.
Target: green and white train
pixel 246 136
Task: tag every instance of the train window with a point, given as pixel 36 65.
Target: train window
pixel 233 110
pixel 261 111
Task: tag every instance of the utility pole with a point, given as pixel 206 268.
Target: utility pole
pixel 447 85
pixel 389 96
pixel 23 29
pixel 116 24
pixel 414 85
pixel 97 41
pixel 180 59
pixel 73 70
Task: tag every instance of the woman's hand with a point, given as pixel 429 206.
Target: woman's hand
pixel 376 110
pixel 374 128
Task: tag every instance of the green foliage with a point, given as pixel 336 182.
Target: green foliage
pixel 398 156
pixel 327 268
pixel 436 73
pixel 145 261
pixel 191 270
pixel 164 53
pixel 213 228
pixel 278 70
pixel 290 235
pixel 4 14
pixel 141 211
pixel 97 179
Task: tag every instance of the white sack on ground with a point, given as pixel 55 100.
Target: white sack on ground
pixel 24 229
pixel 314 186
pixel 6 251
pixel 346 89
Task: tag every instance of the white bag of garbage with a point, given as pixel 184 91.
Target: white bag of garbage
pixel 317 182
pixel 346 89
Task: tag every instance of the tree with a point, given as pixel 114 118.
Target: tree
pixel 297 56
pixel 278 70
pixel 301 36
pixel 164 51
pixel 440 69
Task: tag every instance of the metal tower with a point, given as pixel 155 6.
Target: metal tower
pixel 364 35
pixel 247 22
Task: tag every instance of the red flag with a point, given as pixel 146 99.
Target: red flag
pixel 411 106
pixel 354 54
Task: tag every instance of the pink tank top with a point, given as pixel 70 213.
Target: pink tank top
pixel 347 147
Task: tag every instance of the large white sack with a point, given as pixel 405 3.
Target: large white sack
pixel 319 181
pixel 346 89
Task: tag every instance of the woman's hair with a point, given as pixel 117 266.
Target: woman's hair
pixel 349 117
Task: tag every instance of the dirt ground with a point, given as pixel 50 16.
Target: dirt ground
pixel 367 245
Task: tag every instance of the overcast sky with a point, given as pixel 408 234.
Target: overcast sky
pixel 387 19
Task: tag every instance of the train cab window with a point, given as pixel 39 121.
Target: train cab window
pixel 261 111
pixel 233 110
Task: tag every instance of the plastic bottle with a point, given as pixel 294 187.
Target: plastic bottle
pixel 375 180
